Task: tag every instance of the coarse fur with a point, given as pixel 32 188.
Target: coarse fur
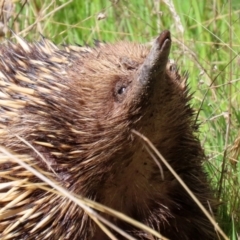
pixel 77 107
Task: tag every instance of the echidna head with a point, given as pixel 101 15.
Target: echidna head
pixel 114 83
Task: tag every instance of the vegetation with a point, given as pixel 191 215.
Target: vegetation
pixel 205 43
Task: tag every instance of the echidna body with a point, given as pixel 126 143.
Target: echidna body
pixel 70 113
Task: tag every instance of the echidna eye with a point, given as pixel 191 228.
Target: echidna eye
pixel 121 90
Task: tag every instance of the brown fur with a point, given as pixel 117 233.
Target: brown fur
pixel 68 107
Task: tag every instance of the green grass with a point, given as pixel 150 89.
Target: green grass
pixel 205 42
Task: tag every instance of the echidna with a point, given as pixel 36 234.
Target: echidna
pixel 75 110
